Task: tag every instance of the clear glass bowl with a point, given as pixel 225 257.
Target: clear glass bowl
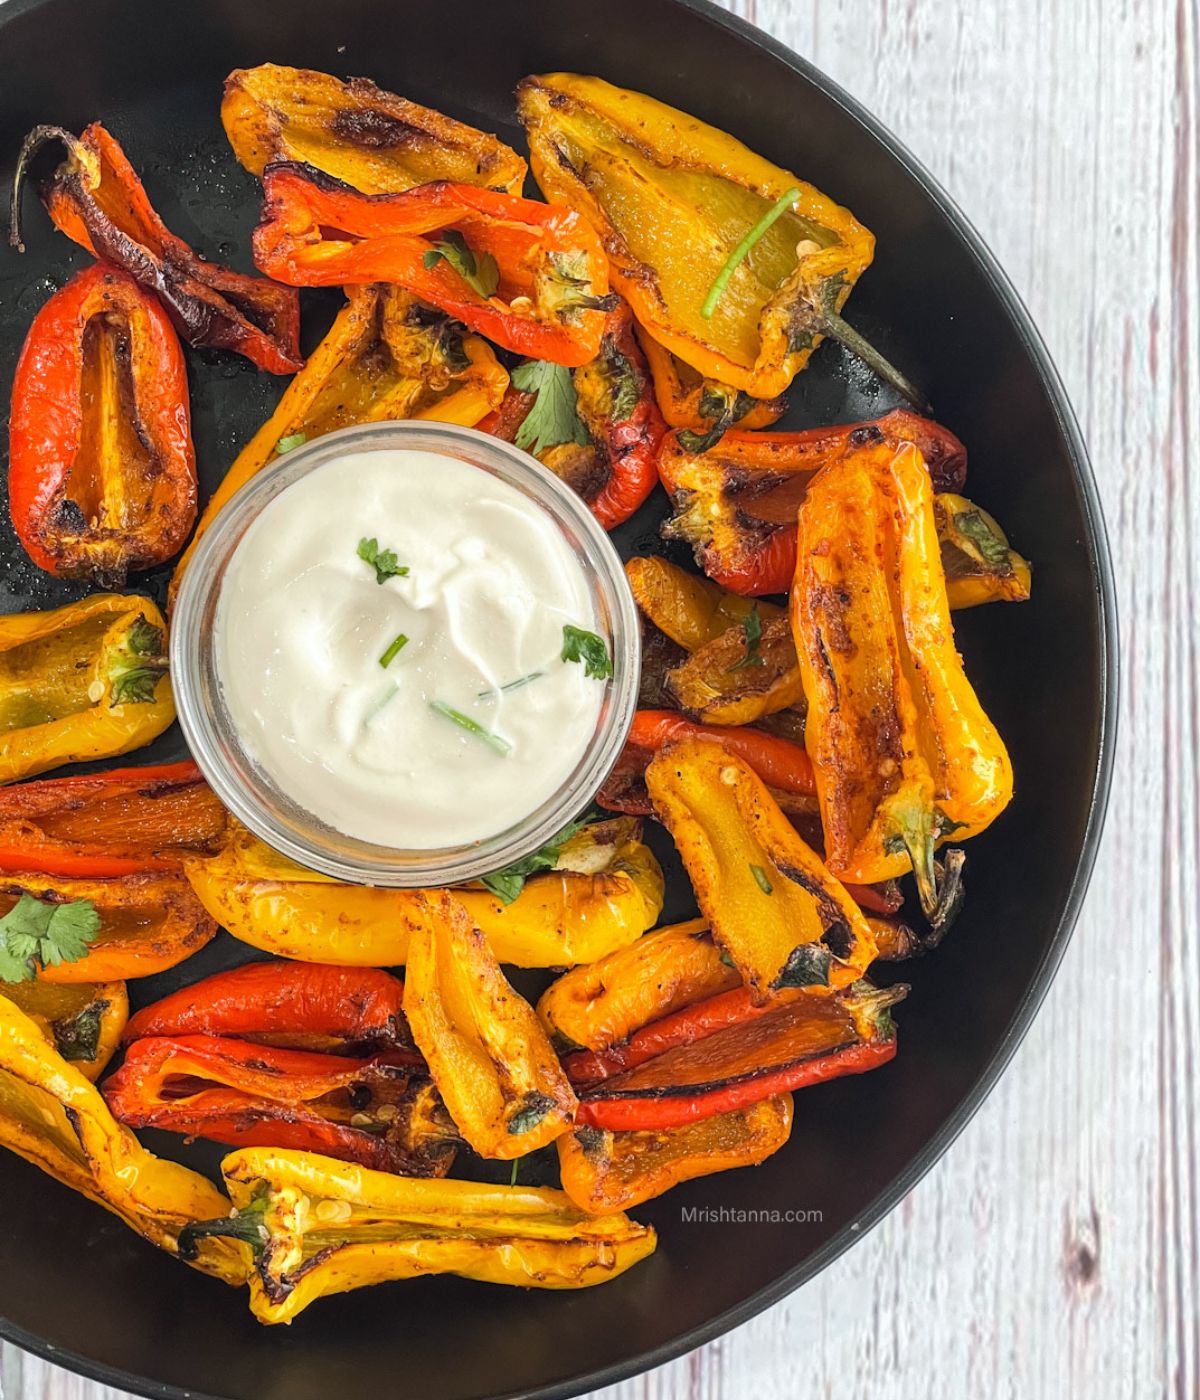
pixel 251 795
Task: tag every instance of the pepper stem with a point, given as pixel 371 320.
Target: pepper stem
pixel 247 1226
pixel 829 321
pixel 32 144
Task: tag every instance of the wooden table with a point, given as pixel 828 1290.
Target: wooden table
pixel 1055 1250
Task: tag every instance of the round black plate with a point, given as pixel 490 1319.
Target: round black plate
pixel 78 1287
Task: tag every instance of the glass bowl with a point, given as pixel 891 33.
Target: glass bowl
pixel 250 793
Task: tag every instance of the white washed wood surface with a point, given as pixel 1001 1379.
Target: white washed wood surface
pixel 1055 1250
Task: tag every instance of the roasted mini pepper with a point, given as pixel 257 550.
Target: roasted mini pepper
pixel 121 822
pixel 902 750
pixel 357 132
pixel 676 203
pixel 691 611
pixel 386 356
pixel 736 505
pixel 85 681
pixel 976 558
pixel 610 460
pixel 82 1021
pixel 300 1006
pixel 771 904
pixel 96 198
pixel 746 674
pixel 247 1094
pixel 101 472
pixel 52 1116
pixel 311 1227
pixel 606 891
pixel 530 277
pixel 489 1056
pixel 603 1171
pixel 733 1061
pixel 148 922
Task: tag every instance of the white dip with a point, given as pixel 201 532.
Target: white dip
pixel 302 626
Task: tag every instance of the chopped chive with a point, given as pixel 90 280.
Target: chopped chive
pixel 733 261
pixel 393 651
pixel 512 1176
pixel 760 879
pixel 285 444
pixel 388 695
pixel 511 685
pixel 495 741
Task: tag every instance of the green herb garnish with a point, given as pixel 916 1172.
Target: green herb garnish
pixel 33 932
pixel 137 665
pixel 383 561
pixel 386 698
pixel 512 1176
pixel 472 726
pixel 393 651
pixel 506 884
pixel 752 631
pixel 285 444
pixel 553 417
pixel 510 685
pixel 734 260
pixel 760 879
pixel 478 270
pixel 579 645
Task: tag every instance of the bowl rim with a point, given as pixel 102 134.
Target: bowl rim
pixel 1104 589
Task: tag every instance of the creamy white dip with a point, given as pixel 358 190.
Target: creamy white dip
pixel 302 627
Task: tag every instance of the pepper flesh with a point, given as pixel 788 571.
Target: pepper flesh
pixel 901 748
pixel 315 1227
pixel 671 198
pixel 691 611
pixel 736 505
pixel 385 357
pixel 562 916
pixel 603 1171
pixel 357 132
pixel 101 471
pixel 615 471
pixel 732 681
pixel 82 1021
pixel 96 198
pixel 489 1057
pixel 52 1116
pixel 148 922
pixel 80 682
pixel 976 558
pixel 771 903
pixel 552 291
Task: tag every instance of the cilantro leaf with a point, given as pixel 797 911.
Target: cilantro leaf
pixel 752 631
pixel 383 561
pixel 506 884
pixel 478 270
pixel 591 650
pixel 553 417
pixel 36 931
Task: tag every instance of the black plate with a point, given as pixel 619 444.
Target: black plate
pixel 79 1288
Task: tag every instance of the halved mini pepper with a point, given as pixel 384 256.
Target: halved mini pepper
pixel 691 611
pixel 309 1227
pixel 976 558
pixel 247 1094
pixel 489 1056
pixel 606 891
pixel 737 1060
pixel 84 681
pixel 772 905
pixel 96 198
pixel 744 675
pixel 82 1021
pixel 604 1171
pixel 357 132
pixel 121 822
pixel 902 750
pixel 386 356
pixel 148 922
pixel 736 505
pixel 101 472
pixel 530 277
pixel 614 470
pixel 52 1116
pixel 676 202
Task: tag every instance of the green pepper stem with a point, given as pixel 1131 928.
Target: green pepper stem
pixel 33 143
pixel 247 1226
pixel 830 323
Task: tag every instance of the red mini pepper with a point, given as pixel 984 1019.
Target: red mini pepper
pixel 114 823
pixel 101 471
pixel 736 504
pixel 302 1006
pixel 616 470
pixel 550 285
pixel 96 198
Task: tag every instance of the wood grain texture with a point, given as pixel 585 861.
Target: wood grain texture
pixel 1055 1250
